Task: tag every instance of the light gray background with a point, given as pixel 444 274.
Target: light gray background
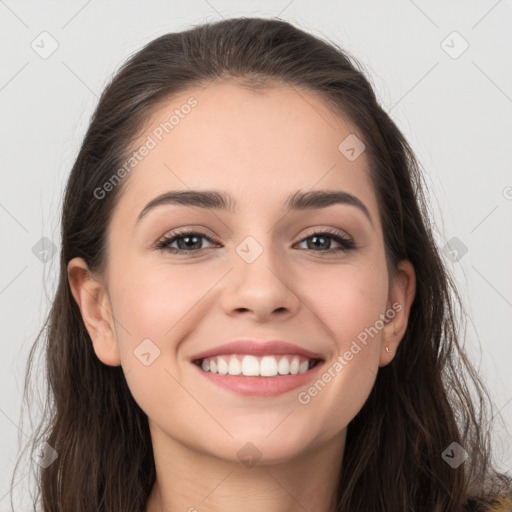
pixel 456 112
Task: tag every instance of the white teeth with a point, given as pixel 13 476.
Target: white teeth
pixel 235 368
pixel 222 366
pixel 268 366
pixel 252 366
pixel 284 366
pixel 303 367
pixel 294 366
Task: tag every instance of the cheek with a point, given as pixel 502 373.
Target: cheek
pixel 347 300
pixel 348 303
pixel 157 308
pixel 153 301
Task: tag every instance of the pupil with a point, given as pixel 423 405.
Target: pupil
pixel 315 238
pixel 186 240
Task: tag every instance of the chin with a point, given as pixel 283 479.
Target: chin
pixel 270 447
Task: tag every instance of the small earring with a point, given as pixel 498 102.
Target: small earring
pixel 387 349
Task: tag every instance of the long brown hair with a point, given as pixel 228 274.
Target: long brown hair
pixel 428 397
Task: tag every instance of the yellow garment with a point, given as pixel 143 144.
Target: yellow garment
pixel 501 505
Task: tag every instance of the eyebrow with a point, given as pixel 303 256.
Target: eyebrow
pixel 220 200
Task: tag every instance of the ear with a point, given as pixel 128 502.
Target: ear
pixel 93 301
pixel 401 294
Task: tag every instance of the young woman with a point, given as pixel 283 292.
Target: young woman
pixel 252 313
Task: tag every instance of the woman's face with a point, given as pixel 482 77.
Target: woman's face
pixel 254 270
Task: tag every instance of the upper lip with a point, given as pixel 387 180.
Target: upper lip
pixel 257 348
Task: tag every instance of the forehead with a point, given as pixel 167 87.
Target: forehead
pixel 261 146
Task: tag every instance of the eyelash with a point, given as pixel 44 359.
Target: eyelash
pixel 347 243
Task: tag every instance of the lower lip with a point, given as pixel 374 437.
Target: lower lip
pixel 261 386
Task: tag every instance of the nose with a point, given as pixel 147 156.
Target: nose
pixel 262 289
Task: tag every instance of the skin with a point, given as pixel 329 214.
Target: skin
pixel 260 147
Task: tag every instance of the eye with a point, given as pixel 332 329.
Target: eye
pixel 190 241
pixel 322 240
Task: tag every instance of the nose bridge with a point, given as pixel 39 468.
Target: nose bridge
pixel 261 280
pixel 261 259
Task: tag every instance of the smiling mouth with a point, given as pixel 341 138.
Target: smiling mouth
pixel 245 365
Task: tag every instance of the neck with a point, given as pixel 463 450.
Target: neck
pixel 196 482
